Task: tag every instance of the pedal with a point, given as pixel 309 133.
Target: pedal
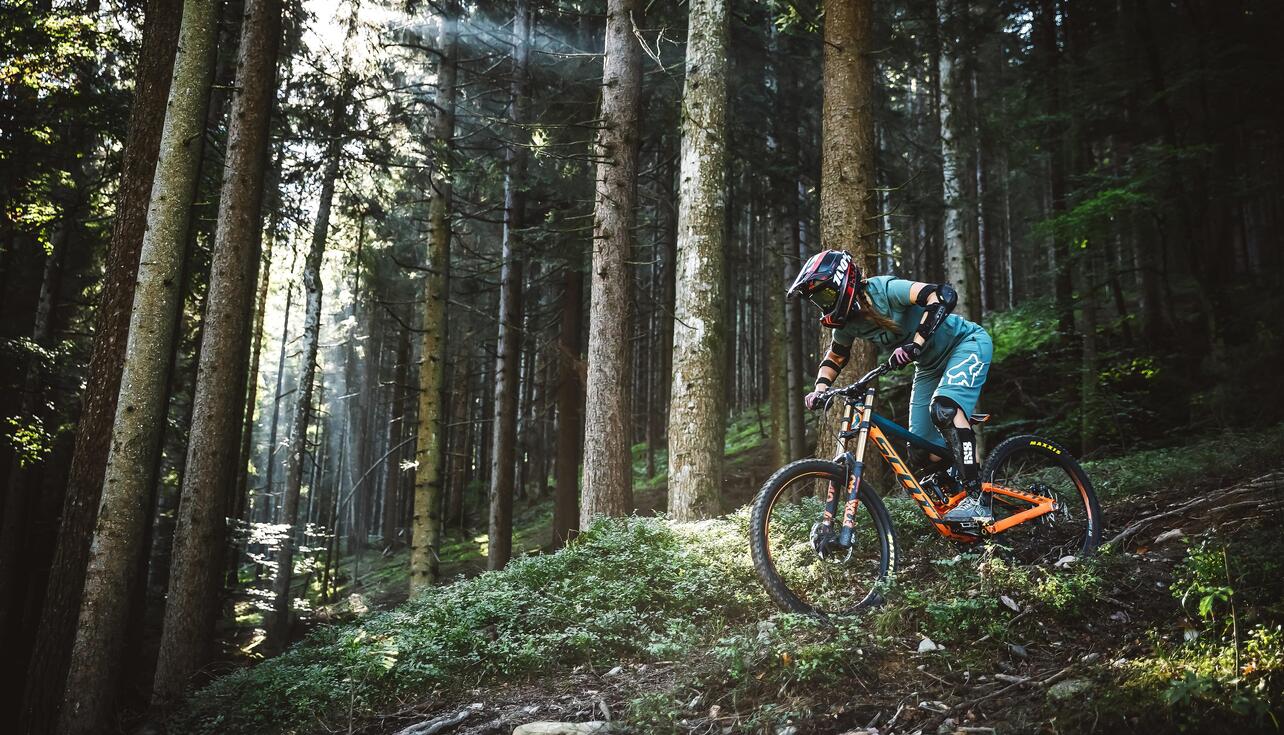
pixel 969 527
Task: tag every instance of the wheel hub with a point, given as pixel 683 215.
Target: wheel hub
pixel 825 542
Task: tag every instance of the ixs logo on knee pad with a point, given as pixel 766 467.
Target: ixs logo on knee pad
pixel 969 453
pixel 965 372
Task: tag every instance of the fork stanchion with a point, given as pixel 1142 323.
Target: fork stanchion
pixel 831 493
pixel 858 465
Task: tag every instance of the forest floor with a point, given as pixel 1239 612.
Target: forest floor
pixel 1068 673
pixel 1175 628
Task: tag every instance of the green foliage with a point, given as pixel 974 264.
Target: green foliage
pixel 1093 215
pixel 1072 590
pixel 744 432
pixel 625 587
pixel 748 429
pixel 1026 328
pixel 1203 578
pixel 1211 460
pixel 1206 683
pixel 1228 668
pixel 28 439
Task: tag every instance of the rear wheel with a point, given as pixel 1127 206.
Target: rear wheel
pixel 1037 466
pixel 785 517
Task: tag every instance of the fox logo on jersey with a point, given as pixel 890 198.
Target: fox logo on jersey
pixel 965 372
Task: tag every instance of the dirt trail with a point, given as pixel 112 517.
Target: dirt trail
pixel 1022 688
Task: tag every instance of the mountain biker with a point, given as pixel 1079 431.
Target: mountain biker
pixel 914 319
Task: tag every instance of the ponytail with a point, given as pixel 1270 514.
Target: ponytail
pixel 874 316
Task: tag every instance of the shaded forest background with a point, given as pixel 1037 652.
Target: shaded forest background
pixel 425 263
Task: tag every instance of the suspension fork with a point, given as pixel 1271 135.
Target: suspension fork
pixel 857 465
pixel 831 493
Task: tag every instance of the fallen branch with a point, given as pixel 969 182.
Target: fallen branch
pixel 437 724
pixel 1215 502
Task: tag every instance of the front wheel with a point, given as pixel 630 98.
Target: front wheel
pixel 1036 466
pixel 782 529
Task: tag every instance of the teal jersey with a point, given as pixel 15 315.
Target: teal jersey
pixel 891 297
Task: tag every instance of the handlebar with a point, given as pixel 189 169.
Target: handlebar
pixel 849 391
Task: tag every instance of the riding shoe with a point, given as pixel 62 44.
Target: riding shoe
pixel 970 510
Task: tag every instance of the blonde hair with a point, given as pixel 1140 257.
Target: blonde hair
pixel 874 316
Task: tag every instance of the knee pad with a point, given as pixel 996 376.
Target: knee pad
pixel 943 412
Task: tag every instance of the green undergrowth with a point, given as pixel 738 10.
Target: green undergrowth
pixel 627 588
pixel 1213 459
pixel 745 431
pixel 1221 668
pixel 650 590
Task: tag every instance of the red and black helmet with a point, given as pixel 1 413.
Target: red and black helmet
pixel 829 280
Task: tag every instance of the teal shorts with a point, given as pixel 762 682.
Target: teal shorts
pixel 959 378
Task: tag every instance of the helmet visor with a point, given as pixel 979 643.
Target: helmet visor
pixel 824 296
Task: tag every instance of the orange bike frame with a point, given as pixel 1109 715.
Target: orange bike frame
pixel 931 508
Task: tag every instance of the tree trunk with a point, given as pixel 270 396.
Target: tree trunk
pixel 695 452
pixel 462 447
pixel 570 403
pixel 396 429
pixel 22 491
pixel 608 467
pixel 279 629
pixel 1045 44
pixel 848 201
pixel 509 342
pixel 430 441
pixel 240 494
pixel 984 300
pixel 52 647
pixel 957 270
pixel 269 470
pixel 193 603
pixel 503 459
pixel 778 348
pixel 91 680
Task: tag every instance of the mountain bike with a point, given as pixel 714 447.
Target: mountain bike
pixel 814 559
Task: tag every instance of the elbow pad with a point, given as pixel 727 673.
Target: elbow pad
pixel 947 299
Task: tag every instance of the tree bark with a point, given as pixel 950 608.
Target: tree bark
pixel 240 494
pixel 91 680
pixel 696 452
pixel 848 201
pixel 430 440
pixel 509 342
pixel 193 603
pixel 778 348
pixel 570 403
pixel 396 429
pixel 957 270
pixel 608 469
pixel 52 647
pixel 1045 44
pixel 503 460
pixel 984 300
